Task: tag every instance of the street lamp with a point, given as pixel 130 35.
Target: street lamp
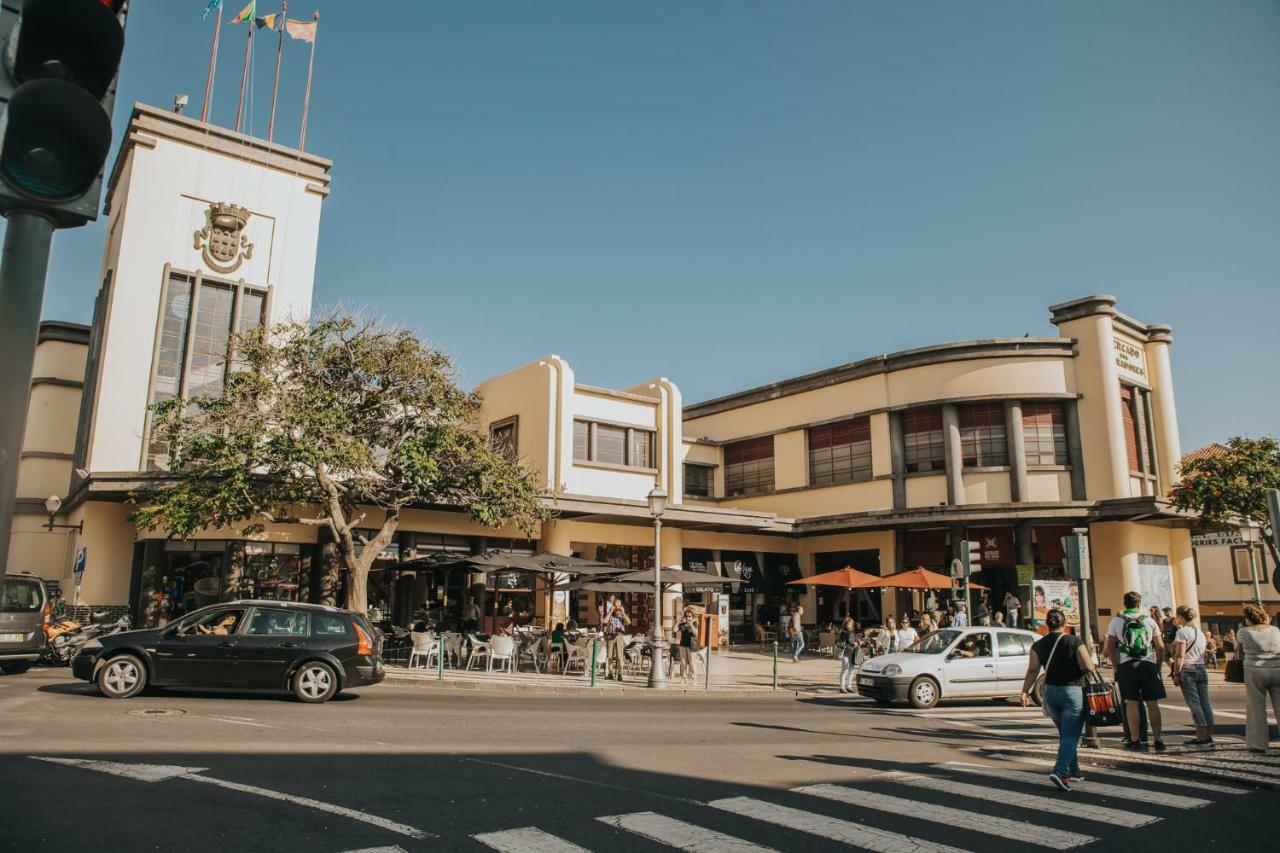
pixel 1247 530
pixel 657 506
pixel 53 503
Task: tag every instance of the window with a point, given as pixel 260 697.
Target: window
pixel 1012 645
pixel 277 623
pixel 699 480
pixel 326 625
pixel 1138 442
pixel 840 452
pixel 748 467
pixel 1130 428
pixel 1044 433
pixel 1240 564
pixel 607 444
pixel 982 435
pixel 193 354
pixel 922 437
pixel 21 595
pixel 219 623
pixel 503 438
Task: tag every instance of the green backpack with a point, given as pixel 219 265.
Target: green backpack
pixel 1135 637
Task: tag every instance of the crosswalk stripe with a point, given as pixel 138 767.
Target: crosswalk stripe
pixel 528 839
pixel 681 835
pixel 1052 805
pixel 973 821
pixel 844 831
pixel 1146 779
pixel 1145 759
pixel 952 713
pixel 1160 798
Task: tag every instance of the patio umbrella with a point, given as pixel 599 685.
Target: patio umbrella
pixel 675 576
pixel 607 585
pixel 847 577
pixel 916 579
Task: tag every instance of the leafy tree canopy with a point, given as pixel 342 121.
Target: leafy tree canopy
pixel 338 423
pixel 1232 485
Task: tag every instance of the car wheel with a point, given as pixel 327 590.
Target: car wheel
pixel 315 682
pixel 122 677
pixel 923 693
pixel 16 668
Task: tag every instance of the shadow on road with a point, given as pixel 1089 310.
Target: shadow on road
pixel 90 691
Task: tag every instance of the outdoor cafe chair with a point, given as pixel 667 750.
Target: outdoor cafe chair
pixel 533 650
pixel 478 648
pixel 425 646
pixel 502 651
pixel 577 653
pixel 453 648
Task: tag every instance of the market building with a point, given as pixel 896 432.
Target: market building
pixel 880 464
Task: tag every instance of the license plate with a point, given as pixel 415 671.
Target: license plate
pixel 12 638
pixel 866 682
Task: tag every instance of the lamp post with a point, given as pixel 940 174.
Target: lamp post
pixel 657 506
pixel 1247 534
pixel 53 503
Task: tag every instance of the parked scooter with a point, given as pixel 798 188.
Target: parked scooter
pixel 64 639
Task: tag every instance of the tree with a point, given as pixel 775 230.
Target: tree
pixel 1232 484
pixel 329 424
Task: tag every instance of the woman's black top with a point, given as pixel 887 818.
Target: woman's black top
pixel 1065 668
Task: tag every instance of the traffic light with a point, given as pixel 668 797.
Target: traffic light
pixel 970 557
pixel 61 59
pixel 1075 547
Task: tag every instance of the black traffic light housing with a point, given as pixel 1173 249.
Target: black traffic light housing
pixel 970 557
pixel 61 60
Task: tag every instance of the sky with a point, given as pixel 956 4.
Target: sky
pixel 732 192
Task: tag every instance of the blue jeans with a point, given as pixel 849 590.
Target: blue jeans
pixel 1065 705
pixel 1195 690
pixel 797 645
pixel 847 668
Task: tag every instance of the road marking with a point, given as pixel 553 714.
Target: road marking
pixel 240 722
pixel 1146 779
pixel 681 835
pixel 528 839
pixel 844 831
pixel 1052 805
pixel 1160 798
pixel 164 772
pixel 377 850
pixel 582 781
pixel 1126 757
pixel 972 821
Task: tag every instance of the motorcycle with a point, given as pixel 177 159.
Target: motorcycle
pixel 64 639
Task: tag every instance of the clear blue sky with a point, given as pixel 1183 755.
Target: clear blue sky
pixel 729 192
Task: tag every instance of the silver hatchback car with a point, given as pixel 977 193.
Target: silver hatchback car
pixel 22 617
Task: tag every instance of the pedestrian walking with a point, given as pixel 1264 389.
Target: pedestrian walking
pixel 1260 644
pixel 1135 646
pixel 1011 607
pixel 961 618
pixel 905 636
pixel 797 633
pixel 1066 663
pixel 1189 674
pixel 890 635
pixel 615 640
pixel 847 651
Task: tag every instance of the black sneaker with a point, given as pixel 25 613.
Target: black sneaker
pixel 1160 747
pixel 1060 781
pixel 1135 745
pixel 1076 777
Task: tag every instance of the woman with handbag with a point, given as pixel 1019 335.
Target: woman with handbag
pixel 1189 674
pixel 847 650
pixel 1259 642
pixel 1067 665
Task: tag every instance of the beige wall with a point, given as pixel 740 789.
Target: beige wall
pixel 1217 579
pixel 824 500
pixel 527 393
pixel 1114 548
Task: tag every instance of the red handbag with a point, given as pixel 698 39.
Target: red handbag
pixel 1102 706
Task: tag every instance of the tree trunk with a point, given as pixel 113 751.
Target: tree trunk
pixel 330 575
pixel 358 590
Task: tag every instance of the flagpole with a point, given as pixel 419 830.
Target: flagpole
pixel 275 90
pixel 306 101
pixel 213 63
pixel 244 74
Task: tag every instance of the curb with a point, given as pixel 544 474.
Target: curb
pixel 602 691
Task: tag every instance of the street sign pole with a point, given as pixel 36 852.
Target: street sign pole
pixel 22 273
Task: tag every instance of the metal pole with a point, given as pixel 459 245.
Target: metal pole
pixel 775 664
pixel 275 90
pixel 213 64
pixel 22 272
pixel 657 676
pixel 306 100
pixel 1090 737
pixel 1253 570
pixel 706 669
pixel 594 641
pixel 440 657
pixel 244 73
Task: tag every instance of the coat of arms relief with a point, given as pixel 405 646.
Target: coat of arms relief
pixel 222 240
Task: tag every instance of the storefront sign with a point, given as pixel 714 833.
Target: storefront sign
pixel 77 570
pixel 1025 574
pixel 1064 595
pixel 1219 537
pixel 511 580
pixel 722 609
pixel 1131 361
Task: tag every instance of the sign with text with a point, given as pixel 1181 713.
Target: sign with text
pixel 1218 537
pixel 1131 359
pixel 77 570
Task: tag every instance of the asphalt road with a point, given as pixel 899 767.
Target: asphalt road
pixel 413 768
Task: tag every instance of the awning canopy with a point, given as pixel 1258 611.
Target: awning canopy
pixel 916 579
pixel 675 575
pixel 848 578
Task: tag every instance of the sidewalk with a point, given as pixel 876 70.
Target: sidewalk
pixel 737 669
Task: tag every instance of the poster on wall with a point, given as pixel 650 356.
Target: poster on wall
pixel 1155 581
pixel 1064 595
pixel 723 612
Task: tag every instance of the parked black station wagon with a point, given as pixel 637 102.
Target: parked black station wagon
pixel 311 650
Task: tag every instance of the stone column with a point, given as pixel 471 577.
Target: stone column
pixel 1017 450
pixel 555 540
pixel 898 460
pixel 1164 411
pixel 1022 545
pixel 1075 451
pixel 954 454
pixel 1183 563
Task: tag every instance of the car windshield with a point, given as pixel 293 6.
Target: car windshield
pixel 20 595
pixel 933 644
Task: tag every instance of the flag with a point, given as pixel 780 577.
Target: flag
pixel 208 10
pixel 301 30
pixel 266 22
pixel 245 14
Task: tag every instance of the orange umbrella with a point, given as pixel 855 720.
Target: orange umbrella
pixel 846 577
pixel 916 579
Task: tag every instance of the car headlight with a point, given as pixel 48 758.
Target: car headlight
pixel 91 646
pixel 892 669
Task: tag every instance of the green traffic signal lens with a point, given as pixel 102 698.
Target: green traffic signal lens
pixel 54 140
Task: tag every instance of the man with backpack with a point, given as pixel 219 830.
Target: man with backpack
pixel 1135 646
